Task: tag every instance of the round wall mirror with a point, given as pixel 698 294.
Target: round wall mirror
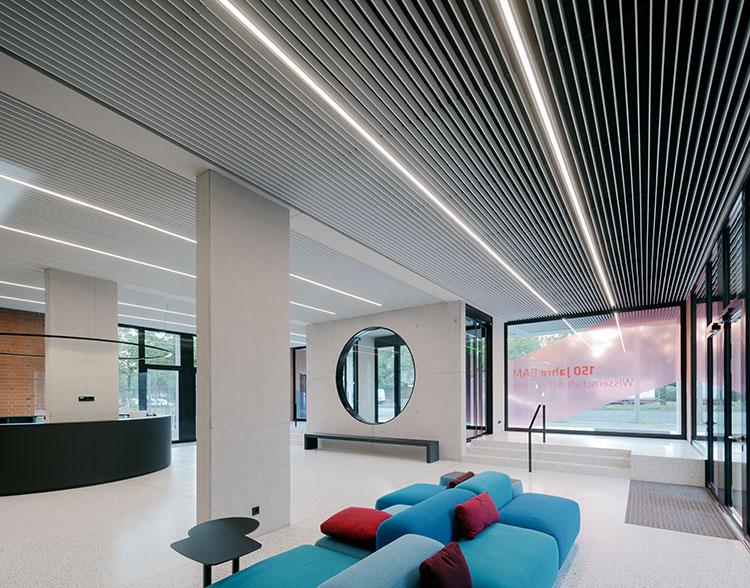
pixel 375 375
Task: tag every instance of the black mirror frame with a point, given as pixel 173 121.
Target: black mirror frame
pixel 340 374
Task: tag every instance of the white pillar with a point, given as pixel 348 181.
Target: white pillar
pixel 243 353
pixel 81 306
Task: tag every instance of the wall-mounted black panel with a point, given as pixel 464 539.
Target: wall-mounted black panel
pixel 38 457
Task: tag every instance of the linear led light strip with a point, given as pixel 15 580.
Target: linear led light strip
pixel 313 85
pixel 22 300
pixel 298 342
pixel 335 290
pixel 143 318
pixel 523 55
pixel 21 285
pixel 93 207
pixel 99 251
pixel 311 307
pixel 157 309
pixel 298 335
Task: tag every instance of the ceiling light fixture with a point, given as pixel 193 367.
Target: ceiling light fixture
pixel 22 285
pixel 309 281
pixel 94 207
pixel 311 307
pixel 435 200
pixel 22 300
pixel 298 335
pixel 619 330
pixel 523 55
pixel 69 244
pixel 143 318
pixel 157 309
pixel 298 342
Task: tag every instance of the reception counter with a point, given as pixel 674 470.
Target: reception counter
pixel 37 457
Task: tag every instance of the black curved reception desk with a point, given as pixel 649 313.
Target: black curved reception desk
pixel 36 457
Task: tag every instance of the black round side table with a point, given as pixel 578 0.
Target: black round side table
pixel 217 541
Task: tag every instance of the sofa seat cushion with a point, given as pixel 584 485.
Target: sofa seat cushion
pixel 306 566
pixel 511 557
pixel 394 566
pixel 410 495
pixel 556 516
pixel 498 486
pixel 343 547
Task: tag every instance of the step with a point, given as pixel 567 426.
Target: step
pixel 538 446
pixel 554 466
pixel 552 454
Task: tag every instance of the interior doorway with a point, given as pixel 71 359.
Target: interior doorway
pixel 478 373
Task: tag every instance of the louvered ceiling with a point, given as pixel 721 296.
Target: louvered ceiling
pixel 43 151
pixel 653 102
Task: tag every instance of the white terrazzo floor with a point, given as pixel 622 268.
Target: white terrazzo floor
pixel 118 534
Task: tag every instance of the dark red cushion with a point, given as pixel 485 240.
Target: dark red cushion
pixel 355 525
pixel 458 479
pixel 446 569
pixel 476 514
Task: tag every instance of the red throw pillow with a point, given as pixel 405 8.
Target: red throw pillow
pixel 355 525
pixel 446 569
pixel 458 479
pixel 476 514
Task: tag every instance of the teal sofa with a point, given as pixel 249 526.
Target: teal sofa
pixel 555 516
pixel 312 566
pixel 502 556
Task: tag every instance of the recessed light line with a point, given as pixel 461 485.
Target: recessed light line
pixel 309 281
pixel 554 141
pixel 315 87
pixel 22 285
pixel 21 300
pixel 143 318
pixel 156 309
pixel 311 307
pixel 92 250
pixel 94 207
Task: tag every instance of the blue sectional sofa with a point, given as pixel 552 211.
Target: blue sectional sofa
pixel 502 556
pixel 312 566
pixel 524 550
pixel 552 515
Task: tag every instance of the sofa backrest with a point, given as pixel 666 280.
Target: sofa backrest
pixel 434 518
pixel 394 566
pixel 496 484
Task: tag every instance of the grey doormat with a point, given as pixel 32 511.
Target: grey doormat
pixel 688 509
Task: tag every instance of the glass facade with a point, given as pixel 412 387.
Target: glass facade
pixel 299 384
pixel 617 374
pixel 163 386
pixel 720 359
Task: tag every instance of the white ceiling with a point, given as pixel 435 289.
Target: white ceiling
pixel 47 152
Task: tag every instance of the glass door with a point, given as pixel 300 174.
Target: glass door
pixel 737 413
pixel 478 374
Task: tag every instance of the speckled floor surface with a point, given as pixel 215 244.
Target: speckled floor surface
pixel 118 535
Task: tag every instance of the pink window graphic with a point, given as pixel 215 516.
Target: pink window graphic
pixel 604 378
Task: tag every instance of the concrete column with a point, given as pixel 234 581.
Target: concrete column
pixel 243 353
pixel 85 307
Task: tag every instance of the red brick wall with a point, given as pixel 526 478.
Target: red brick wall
pixel 17 373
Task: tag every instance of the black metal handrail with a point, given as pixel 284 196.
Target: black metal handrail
pixel 544 427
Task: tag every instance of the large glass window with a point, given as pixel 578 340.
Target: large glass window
pixel 299 384
pixel 616 374
pixel 159 386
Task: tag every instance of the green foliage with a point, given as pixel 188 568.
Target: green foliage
pixel 521 346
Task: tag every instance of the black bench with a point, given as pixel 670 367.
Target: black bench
pixel 432 447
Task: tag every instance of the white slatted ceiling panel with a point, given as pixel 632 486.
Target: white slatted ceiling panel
pixel 178 68
pixel 432 81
